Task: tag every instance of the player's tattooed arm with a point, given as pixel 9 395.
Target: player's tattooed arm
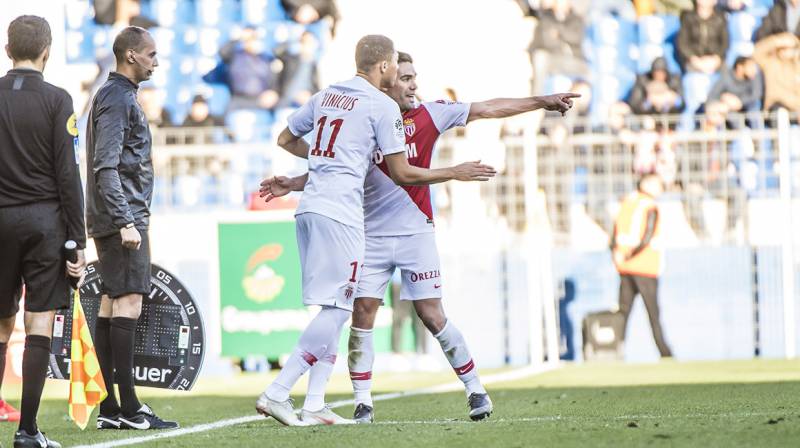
pixel 277 186
pixel 404 174
pixel 508 107
pixel 293 144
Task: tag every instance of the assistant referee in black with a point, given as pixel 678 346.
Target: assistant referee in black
pixel 119 192
pixel 41 207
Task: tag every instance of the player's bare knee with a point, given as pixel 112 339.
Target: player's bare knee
pixel 431 313
pixel 39 323
pixel 106 307
pixel 6 328
pixel 364 312
pixel 129 306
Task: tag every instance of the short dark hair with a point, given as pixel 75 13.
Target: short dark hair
pixel 28 37
pixel 371 50
pixel 741 60
pixel 404 57
pixel 131 38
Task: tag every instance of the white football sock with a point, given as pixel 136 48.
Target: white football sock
pixel 360 357
pixel 455 349
pixel 322 332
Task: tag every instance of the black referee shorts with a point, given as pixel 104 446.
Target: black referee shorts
pixel 31 240
pixel 124 271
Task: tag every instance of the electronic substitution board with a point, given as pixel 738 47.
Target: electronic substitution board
pixel 170 340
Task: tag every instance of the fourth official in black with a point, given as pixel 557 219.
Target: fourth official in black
pixel 119 192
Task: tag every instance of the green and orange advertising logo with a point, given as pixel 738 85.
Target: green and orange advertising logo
pixel 260 282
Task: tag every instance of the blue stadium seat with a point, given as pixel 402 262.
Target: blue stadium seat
pixel 249 125
pixel 738 49
pixel 165 39
pixel 606 59
pixel 209 41
pixel 77 14
pixel 742 26
pixel 169 13
pixel 259 12
pixel 218 98
pixel 217 12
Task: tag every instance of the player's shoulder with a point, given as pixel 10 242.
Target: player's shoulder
pixel 57 94
pixel 438 104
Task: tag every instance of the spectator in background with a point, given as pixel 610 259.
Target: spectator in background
pixel 298 79
pixel 199 115
pixel 657 92
pixel 703 38
pixel 152 102
pixel 121 13
pixel 783 17
pixel 739 88
pixel 779 58
pixel 306 12
pixel 650 7
pixel 556 45
pixel 250 75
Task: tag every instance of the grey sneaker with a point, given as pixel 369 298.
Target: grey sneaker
pixel 480 406
pixel 324 416
pixel 282 411
pixel 363 414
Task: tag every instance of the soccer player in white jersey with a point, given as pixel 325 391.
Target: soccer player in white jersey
pixel 348 121
pixel 400 234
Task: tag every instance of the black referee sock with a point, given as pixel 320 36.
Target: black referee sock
pixel 123 337
pixel 102 344
pixel 34 370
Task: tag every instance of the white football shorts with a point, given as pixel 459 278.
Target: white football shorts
pixel 331 260
pixel 417 258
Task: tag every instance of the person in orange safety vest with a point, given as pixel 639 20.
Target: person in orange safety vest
pixel 637 253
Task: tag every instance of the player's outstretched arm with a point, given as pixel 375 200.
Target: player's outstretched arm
pixel 507 107
pixel 277 186
pixel 292 143
pixel 404 174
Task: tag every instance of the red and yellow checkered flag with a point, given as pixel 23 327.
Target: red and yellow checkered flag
pixel 86 386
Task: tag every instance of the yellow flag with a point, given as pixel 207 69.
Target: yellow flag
pixel 86 386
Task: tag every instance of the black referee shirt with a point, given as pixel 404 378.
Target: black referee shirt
pixel 119 165
pixel 39 148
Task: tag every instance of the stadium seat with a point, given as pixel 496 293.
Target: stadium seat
pixel 742 26
pixel 169 13
pixel 249 125
pixel 77 13
pixel 218 97
pixel 219 13
pixel 210 41
pixel 260 12
pixel 738 49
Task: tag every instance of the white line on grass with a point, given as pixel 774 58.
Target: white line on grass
pixel 448 387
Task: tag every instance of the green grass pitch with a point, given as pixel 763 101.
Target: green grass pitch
pixel 669 404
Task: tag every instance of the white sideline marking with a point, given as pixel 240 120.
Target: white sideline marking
pixel 447 387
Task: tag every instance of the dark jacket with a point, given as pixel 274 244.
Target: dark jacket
pixel 749 91
pixel 559 38
pixel 118 161
pixel 39 148
pixel 775 22
pixel 637 99
pixel 698 37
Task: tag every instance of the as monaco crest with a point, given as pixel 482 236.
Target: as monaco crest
pixel 409 126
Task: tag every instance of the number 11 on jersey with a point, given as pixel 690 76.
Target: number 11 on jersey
pixel 336 125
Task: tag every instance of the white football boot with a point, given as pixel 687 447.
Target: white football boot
pixel 324 416
pixel 282 411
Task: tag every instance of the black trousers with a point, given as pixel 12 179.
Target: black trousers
pixel 629 286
